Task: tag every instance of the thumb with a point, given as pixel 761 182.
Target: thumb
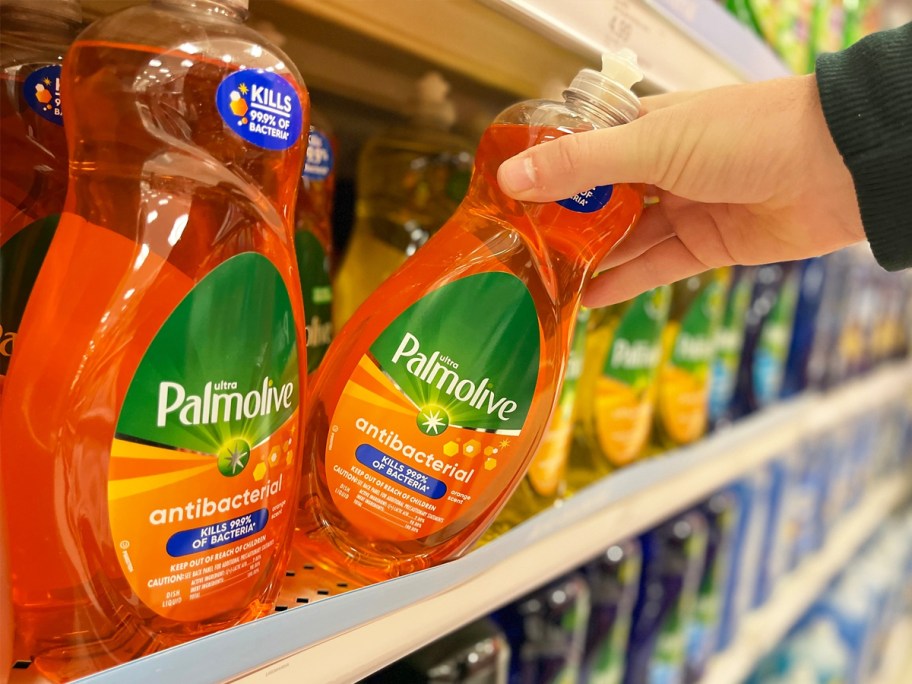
pixel 559 168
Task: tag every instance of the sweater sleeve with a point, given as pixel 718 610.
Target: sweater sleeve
pixel 866 93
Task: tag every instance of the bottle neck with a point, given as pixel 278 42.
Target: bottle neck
pixel 605 112
pixel 235 10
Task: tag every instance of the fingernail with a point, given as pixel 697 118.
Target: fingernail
pixel 516 175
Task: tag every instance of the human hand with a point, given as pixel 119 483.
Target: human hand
pixel 744 174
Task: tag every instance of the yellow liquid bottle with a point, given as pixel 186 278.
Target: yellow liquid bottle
pixel 544 481
pixel 689 345
pixel 410 180
pixel 617 390
pixel 434 397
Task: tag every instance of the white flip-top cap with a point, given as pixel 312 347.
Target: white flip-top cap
pixel 613 83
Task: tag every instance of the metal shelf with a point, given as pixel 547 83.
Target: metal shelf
pixel 763 629
pixel 345 637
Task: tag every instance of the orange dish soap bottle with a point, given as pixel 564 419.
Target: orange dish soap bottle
pixel 34 35
pixel 689 346
pixel 434 397
pixel 155 409
pixel 313 237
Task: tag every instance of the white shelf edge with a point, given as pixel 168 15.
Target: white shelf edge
pixel 763 629
pixel 344 637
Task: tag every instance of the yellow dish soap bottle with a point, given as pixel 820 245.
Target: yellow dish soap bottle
pixel 682 406
pixel 410 180
pixel 434 397
pixel 618 389
pixel 155 402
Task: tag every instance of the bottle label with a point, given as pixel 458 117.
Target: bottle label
pixel 202 470
pixel 20 260
pixel 547 467
pixel 320 158
pixel 625 390
pixel 423 432
pixel 41 90
pixel 313 266
pixel 261 107
pixel 588 201
pixel 729 341
pixel 683 392
pixel 773 345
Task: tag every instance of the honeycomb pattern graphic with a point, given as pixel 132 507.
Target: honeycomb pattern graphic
pixel 471 448
pixel 259 472
pixel 451 448
pixel 490 463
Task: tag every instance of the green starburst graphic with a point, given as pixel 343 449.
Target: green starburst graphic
pixel 233 457
pixel 433 420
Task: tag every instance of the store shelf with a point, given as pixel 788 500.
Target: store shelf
pixel 764 628
pixel 345 637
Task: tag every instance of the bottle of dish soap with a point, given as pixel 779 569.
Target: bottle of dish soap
pixel 410 180
pixel 313 237
pixel 34 35
pixel 154 404
pixel 434 397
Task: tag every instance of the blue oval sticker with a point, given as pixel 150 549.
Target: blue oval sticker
pixel 589 200
pixel 41 90
pixel 261 107
pixel 320 158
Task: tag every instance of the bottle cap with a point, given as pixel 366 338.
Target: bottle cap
pixel 432 102
pixel 612 84
pixel 69 10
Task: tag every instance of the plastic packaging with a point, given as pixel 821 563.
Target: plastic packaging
pixel 410 180
pixel 434 397
pixel 155 402
pixel 729 343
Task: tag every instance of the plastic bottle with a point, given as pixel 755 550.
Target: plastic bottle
pixel 6 605
pixel 673 556
pixel 547 632
pixel 613 578
pixel 617 391
pixel 410 180
pixel 153 403
pixel 721 513
pixel 729 343
pixel 545 480
pixel 682 406
pixel 433 399
pixel 812 286
pixel 34 36
pixel 767 337
pixel 475 654
pixel 313 237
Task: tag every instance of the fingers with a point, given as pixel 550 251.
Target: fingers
pixel 653 228
pixel 573 163
pixel 664 263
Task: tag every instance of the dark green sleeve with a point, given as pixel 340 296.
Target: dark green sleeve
pixel 866 92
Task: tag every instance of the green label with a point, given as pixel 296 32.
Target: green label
pixel 20 260
pixel 223 367
pixel 577 355
pixel 470 348
pixel 694 345
pixel 636 348
pixel 773 345
pixel 313 266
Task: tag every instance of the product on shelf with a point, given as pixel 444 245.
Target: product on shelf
pixel 721 514
pixel 682 404
pixel 729 343
pixel 544 482
pixel 475 654
pixel 617 391
pixel 546 631
pixel 432 400
pixel 614 578
pixel 33 39
pixel 410 180
pixel 153 403
pixel 313 237
pixel 673 557
pixel 767 336
pixel 811 289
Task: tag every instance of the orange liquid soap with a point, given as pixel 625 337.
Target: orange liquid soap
pixel 156 407
pixel 434 397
